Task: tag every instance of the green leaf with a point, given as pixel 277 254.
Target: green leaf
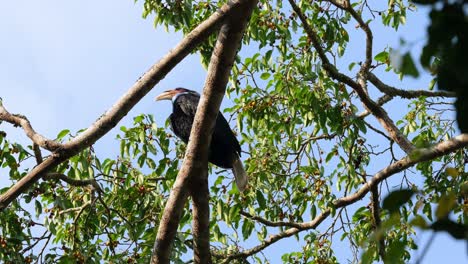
pixel 261 200
pixel 265 76
pixel 395 252
pixel 419 222
pixel 330 155
pixel 382 57
pixel 38 208
pixel 313 211
pixel 396 199
pixel 138 119
pixel 247 228
pixel 408 67
pixel 63 133
pixel 456 230
pixel 446 204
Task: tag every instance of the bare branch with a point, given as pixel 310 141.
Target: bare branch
pixel 201 219
pixel 37 153
pixel 408 94
pixel 21 121
pixel 195 165
pixel 438 150
pixel 222 59
pixel 110 119
pixel 46 235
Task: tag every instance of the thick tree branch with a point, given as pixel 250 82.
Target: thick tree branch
pixel 222 59
pixel 201 218
pixel 441 149
pixel 110 119
pixel 408 94
pixel 368 103
pixel 194 171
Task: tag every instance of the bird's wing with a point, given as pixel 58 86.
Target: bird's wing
pixel 222 133
pixel 223 130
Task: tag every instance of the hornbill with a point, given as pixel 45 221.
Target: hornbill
pixel 224 149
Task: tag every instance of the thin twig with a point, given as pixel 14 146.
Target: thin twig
pixel 426 248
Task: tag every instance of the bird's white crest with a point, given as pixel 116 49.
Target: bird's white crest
pixel 174 98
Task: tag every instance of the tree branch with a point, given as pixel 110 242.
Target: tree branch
pixel 110 119
pixel 346 6
pixel 194 171
pixel 408 94
pixel 222 59
pixel 272 239
pixel 74 182
pixel 37 154
pixel 436 151
pixel 21 121
pixel 368 103
pixel 381 101
pixel 268 222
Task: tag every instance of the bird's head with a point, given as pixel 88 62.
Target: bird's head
pixel 172 94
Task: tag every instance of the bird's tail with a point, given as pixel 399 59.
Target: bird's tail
pixel 239 173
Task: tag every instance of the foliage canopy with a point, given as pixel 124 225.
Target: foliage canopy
pixel 316 130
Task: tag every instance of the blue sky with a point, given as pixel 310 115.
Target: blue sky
pixel 63 63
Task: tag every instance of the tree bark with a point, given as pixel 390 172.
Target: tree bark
pixel 195 165
pixel 224 54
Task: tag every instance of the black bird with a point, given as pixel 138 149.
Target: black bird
pixel 224 149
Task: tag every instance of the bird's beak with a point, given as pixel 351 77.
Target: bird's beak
pixel 166 95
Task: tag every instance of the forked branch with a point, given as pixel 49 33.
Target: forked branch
pixel 193 176
pixel 359 88
pixel 110 119
pixel 441 149
pixel 21 121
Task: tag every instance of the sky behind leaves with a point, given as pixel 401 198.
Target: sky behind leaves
pixel 63 63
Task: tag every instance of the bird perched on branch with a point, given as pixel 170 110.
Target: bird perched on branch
pixel 224 149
